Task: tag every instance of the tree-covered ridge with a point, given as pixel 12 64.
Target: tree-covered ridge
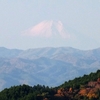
pixel 25 92
pixel 82 88
pixel 77 82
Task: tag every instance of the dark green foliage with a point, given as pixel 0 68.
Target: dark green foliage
pixel 39 92
pixel 23 92
pixel 77 82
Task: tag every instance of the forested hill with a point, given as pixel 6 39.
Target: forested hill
pixel 81 88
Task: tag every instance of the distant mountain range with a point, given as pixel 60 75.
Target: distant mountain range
pixel 45 66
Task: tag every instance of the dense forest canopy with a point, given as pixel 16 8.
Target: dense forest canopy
pixel 81 88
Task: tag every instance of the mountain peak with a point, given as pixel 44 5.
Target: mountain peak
pixel 48 28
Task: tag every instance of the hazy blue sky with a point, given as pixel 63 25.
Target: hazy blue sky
pixel 81 17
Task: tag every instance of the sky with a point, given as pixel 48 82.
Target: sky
pixel 81 18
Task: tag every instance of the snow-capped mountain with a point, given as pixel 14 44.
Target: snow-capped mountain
pixel 51 33
pixel 48 29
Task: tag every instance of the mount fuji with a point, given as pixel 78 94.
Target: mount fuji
pixel 48 29
pixel 50 33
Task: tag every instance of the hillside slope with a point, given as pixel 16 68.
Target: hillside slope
pixel 48 66
pixel 86 87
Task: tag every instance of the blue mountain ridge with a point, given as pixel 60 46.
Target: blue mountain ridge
pixel 45 66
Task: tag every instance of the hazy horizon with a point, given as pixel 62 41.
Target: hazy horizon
pixel 80 20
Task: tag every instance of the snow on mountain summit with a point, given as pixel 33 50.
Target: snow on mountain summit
pixel 48 29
